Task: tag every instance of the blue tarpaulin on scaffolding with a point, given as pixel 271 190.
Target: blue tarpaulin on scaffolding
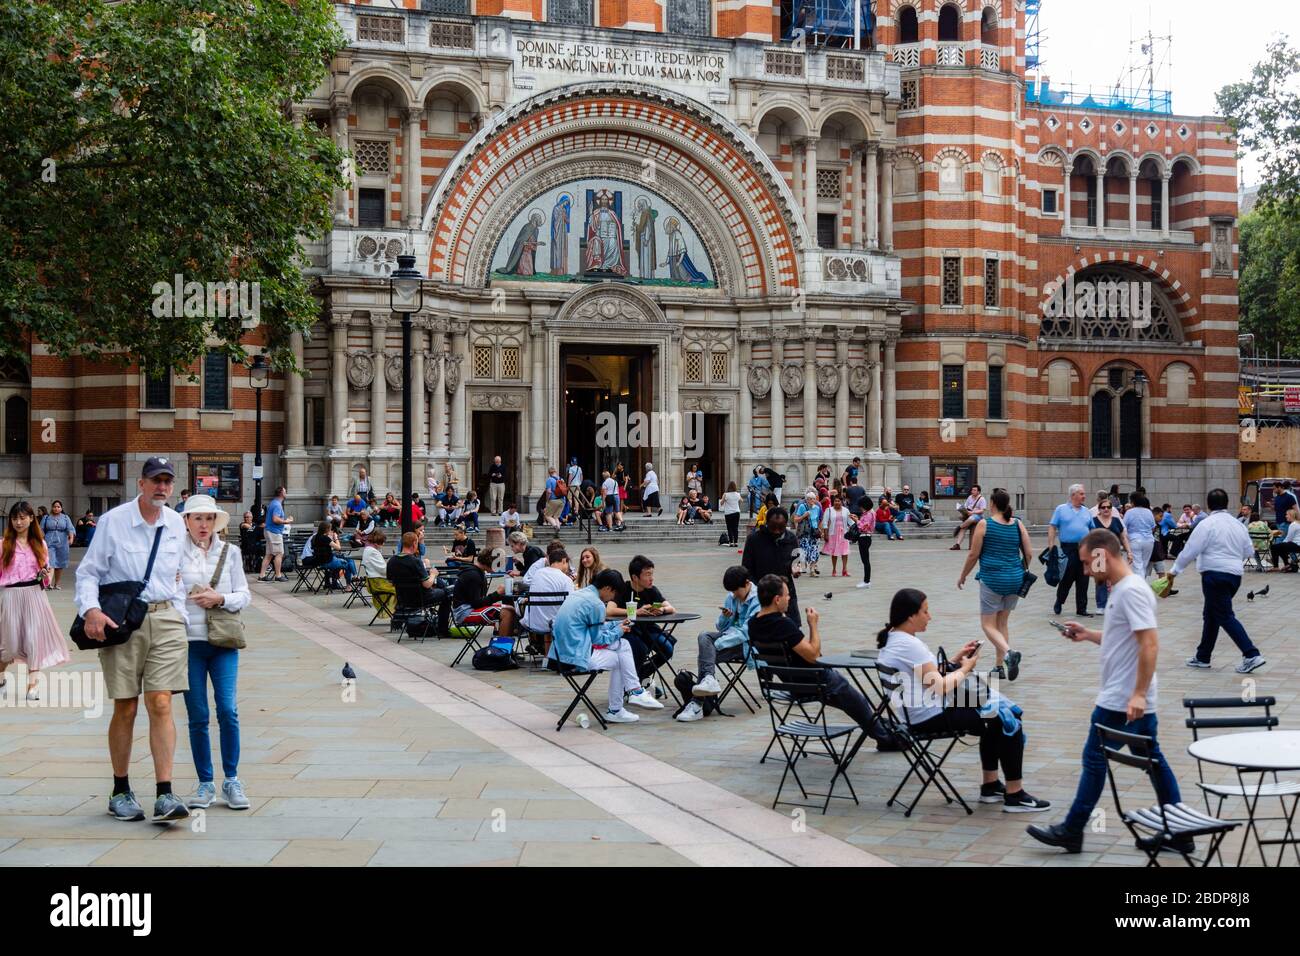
pixel 831 17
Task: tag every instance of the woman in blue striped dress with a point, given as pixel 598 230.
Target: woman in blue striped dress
pixel 1000 544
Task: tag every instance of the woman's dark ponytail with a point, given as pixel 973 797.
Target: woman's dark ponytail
pixel 906 602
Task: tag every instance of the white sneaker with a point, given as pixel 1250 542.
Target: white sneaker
pixel 624 716
pixel 690 712
pixel 643 698
pixel 863 584
pixel 1247 665
pixel 707 687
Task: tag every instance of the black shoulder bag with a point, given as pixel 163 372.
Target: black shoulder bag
pixel 121 601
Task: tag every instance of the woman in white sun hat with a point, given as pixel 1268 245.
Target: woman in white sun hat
pixel 212 572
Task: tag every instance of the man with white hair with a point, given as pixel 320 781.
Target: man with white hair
pixel 1070 524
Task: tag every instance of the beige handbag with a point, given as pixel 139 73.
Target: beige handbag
pixel 224 628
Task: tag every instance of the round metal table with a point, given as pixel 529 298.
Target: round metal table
pixel 1260 752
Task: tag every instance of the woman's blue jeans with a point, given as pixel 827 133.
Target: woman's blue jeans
pixel 221 664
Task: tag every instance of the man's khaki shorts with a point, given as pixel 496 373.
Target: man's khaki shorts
pixel 154 658
pixel 274 543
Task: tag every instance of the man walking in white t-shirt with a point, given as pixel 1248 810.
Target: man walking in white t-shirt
pixel 1127 701
pixel 650 491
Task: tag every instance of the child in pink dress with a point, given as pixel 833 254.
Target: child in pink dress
pixel 28 629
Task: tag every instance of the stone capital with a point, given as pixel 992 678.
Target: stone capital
pixel 458 326
pixel 340 103
pixel 845 334
pixel 412 114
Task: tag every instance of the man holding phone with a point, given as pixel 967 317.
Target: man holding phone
pixel 1127 700
pixel 728 641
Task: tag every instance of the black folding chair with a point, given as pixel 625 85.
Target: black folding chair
pixel 357 591
pixel 1251 794
pixel 733 671
pixel 310 576
pixel 469 633
pixel 922 760
pixel 571 673
pixel 1167 822
pixel 779 699
pixel 793 736
pixel 384 595
pixel 535 640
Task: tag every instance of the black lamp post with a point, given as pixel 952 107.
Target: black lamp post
pixel 1139 388
pixel 406 297
pixel 259 378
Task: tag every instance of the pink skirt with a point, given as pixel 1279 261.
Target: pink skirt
pixel 29 631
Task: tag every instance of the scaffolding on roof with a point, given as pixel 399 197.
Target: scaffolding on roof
pixel 1033 35
pixel 828 22
pixel 1043 93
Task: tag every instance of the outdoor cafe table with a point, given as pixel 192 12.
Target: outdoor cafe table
pixel 1260 752
pixel 668 624
pixel 854 665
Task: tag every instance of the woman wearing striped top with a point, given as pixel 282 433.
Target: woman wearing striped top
pixel 1000 544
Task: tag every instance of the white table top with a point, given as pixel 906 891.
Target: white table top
pixel 1258 750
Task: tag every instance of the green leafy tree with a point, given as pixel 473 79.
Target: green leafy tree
pixel 144 140
pixel 1264 113
pixel 1269 287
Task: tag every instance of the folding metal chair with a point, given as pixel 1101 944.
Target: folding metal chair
pixel 921 759
pixel 1251 794
pixel 384 596
pixel 469 633
pixel 733 672
pixel 571 673
pixel 793 736
pixel 1168 821
pixel 311 577
pixel 357 591
pixel 535 599
pixel 1262 542
pixel 779 699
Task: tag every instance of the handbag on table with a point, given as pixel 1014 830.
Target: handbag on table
pixel 121 602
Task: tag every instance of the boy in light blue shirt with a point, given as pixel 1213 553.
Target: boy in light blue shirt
pixel 730 640
pixel 581 637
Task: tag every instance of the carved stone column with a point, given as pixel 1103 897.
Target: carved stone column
pixel 1133 204
pixel 419 431
pixel 1065 198
pixel 379 384
pixel 797 173
pixel 339 109
pixel 855 184
pixel 411 173
pixel 338 378
pixel 1101 200
pixel 294 411
pixel 1164 206
pixel 456 372
pixel 810 391
pixel 890 442
pixel 433 381
pixel 537 415
pixel 842 339
pixel 745 415
pixel 810 190
pixel 873 200
pixel 778 396
pixel 887 200
pixel 873 401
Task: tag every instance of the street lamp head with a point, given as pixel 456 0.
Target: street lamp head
pixel 1139 383
pixel 259 372
pixel 406 291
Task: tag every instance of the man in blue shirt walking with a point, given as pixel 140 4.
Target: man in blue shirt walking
pixel 1071 523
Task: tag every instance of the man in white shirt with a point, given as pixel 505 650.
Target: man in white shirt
pixel 971 514
pixel 1220 545
pixel 154 661
pixel 1127 700
pixel 510 519
pixel 551 579
pixel 611 514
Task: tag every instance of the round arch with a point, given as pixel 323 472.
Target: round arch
pixel 457 82
pixel 1170 305
pixel 788 106
pixel 384 77
pixel 699 160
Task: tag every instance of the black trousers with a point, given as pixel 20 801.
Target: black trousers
pixel 996 747
pixel 1283 551
pixel 864 552
pixel 1074 576
pixel 733 527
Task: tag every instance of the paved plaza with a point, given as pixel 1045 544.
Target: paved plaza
pixel 421 764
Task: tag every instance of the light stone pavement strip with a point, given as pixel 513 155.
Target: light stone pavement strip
pixel 423 765
pixel 1056 689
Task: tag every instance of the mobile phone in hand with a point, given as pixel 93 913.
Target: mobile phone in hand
pixel 1060 627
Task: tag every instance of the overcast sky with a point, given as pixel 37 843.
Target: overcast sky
pixel 1214 44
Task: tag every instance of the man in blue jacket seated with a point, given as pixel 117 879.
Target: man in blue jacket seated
pixel 581 636
pixel 728 642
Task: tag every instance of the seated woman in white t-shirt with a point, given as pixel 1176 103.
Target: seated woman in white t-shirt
pixel 924 689
pixel 372 558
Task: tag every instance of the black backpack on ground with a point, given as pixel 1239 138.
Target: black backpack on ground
pixel 493 659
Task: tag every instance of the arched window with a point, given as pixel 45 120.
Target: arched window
pixel 1102 425
pixel 951 175
pixel 16 425
pixel 992 170
pixel 1130 424
pixel 689 18
pixel 908 29
pixel 1111 303
pixel 949 23
pixel 989 27
pixel 905 177
pixel 572 12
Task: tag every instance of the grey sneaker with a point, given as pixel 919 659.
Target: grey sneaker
pixel 232 791
pixel 167 808
pixel 203 796
pixel 124 806
pixel 1249 664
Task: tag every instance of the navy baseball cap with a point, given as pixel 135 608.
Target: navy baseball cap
pixel 158 466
